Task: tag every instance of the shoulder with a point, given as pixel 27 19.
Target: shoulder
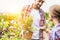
pixel 41 10
pixel 27 7
pixel 26 10
pixel 58 33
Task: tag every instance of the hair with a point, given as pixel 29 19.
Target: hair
pixel 55 10
pixel 40 0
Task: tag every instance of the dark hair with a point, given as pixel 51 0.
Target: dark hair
pixel 55 10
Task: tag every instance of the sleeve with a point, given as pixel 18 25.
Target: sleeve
pixel 42 20
pixel 57 35
pixel 25 10
pixel 50 36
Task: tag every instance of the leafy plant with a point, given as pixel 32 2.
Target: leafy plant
pixel 49 24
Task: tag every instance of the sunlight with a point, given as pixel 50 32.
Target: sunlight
pixel 15 6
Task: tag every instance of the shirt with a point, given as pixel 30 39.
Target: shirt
pixel 36 20
pixel 55 33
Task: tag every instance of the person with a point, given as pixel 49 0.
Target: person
pixel 37 20
pixel 55 17
pixel 38 16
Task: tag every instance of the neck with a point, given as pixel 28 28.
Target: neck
pixel 35 7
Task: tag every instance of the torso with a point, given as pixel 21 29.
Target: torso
pixel 36 20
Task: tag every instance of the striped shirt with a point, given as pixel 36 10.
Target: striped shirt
pixel 55 33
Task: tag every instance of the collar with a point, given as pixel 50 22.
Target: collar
pixel 57 25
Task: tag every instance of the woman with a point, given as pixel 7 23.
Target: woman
pixel 55 17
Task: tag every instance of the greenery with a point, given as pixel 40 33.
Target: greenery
pixel 49 24
pixel 10 29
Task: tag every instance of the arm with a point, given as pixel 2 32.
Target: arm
pixel 57 35
pixel 42 20
pixel 42 24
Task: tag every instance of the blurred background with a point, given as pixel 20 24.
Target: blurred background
pixel 14 6
pixel 10 27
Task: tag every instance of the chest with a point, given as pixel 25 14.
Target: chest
pixel 35 14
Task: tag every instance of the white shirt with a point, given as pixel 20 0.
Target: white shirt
pixel 36 20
